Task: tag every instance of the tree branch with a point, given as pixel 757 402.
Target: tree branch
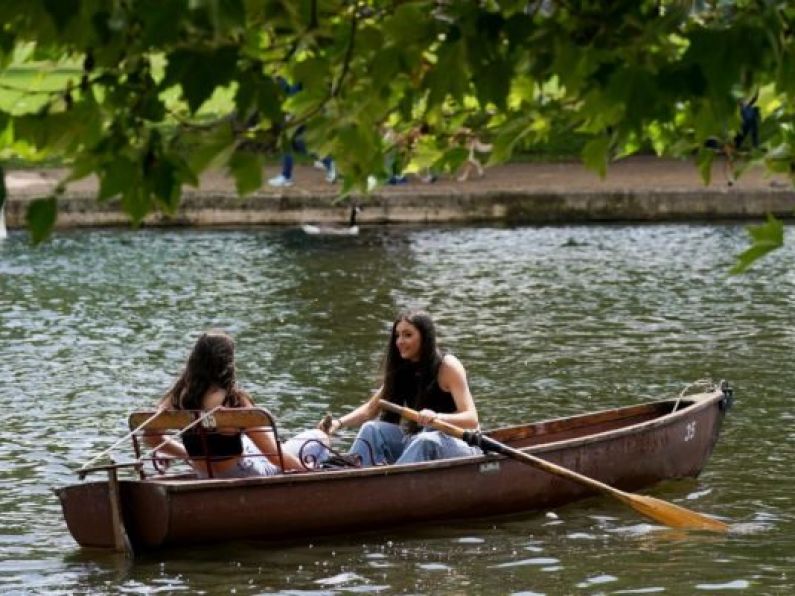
pixel 335 90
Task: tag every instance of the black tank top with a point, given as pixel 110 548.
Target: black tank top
pixel 410 392
pixel 218 445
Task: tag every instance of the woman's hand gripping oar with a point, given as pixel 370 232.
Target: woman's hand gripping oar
pixel 661 511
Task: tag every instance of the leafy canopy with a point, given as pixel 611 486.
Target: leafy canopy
pixel 147 94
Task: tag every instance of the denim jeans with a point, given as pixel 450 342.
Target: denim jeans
pixel 307 444
pixel 252 464
pixel 381 442
pixel 299 146
pixel 428 445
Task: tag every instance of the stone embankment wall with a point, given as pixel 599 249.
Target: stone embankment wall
pixel 641 190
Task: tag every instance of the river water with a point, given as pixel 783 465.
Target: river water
pixel 549 321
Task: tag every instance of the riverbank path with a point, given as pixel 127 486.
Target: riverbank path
pixel 642 188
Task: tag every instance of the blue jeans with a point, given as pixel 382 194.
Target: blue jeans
pixel 252 464
pixel 307 444
pixel 429 444
pixel 299 146
pixel 381 442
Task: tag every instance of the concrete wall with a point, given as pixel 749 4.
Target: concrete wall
pixel 513 207
pixel 637 189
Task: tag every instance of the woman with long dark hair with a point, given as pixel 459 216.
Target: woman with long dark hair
pixel 207 381
pixel 418 375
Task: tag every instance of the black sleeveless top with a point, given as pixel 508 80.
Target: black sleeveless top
pixel 214 444
pixel 410 392
pixel 219 445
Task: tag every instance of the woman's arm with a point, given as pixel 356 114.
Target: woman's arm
pixel 263 438
pixel 452 377
pixel 367 411
pixel 170 446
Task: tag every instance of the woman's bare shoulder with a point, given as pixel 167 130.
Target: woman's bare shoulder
pixel 451 364
pixel 450 359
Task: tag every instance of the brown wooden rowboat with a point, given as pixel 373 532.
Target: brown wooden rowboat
pixel 629 448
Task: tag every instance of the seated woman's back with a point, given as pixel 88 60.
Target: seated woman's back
pixel 207 382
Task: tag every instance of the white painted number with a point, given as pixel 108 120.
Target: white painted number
pixel 489 467
pixel 690 431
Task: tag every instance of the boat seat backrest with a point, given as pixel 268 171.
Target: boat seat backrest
pixel 175 420
pixel 218 434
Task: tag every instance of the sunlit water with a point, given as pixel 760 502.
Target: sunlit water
pixel 549 321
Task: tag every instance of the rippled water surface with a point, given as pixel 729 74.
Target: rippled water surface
pixel 549 321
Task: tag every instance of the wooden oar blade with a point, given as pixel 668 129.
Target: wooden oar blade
pixel 671 515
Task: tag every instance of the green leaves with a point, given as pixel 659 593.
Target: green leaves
pixel 246 168
pixel 766 237
pixel 409 25
pixel 61 11
pixel 595 154
pixel 161 20
pixel 259 93
pixel 62 131
pixel 117 177
pixel 450 76
pixel 148 94
pixel 144 181
pixel 199 71
pixel 163 183
pixel 3 191
pixel 40 218
pixel 210 148
pixel 704 160
pixel 494 82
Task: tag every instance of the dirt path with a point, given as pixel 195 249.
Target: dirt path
pixel 636 174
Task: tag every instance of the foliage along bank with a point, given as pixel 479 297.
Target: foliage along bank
pixel 411 81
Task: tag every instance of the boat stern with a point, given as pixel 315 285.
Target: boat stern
pixel 142 511
pixel 87 511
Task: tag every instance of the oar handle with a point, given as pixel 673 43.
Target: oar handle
pixel 441 425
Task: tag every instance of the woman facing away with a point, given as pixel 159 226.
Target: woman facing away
pixel 418 375
pixel 207 381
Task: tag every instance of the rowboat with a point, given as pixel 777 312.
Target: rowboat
pixel 630 448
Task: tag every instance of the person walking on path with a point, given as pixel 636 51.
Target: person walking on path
pixel 298 145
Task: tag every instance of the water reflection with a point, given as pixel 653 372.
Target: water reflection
pixel 548 321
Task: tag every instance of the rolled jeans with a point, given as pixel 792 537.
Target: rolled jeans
pixel 380 442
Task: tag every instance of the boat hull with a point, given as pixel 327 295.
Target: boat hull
pixel 629 448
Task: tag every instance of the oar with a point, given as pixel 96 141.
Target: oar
pixel 661 511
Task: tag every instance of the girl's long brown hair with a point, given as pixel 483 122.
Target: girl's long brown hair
pixel 430 358
pixel 211 364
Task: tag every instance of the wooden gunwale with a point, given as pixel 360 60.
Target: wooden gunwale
pixel 688 406
pixel 629 448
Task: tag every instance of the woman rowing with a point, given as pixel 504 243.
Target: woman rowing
pixel 415 374
pixel 208 381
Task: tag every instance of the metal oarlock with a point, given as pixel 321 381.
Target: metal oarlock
pixel 336 458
